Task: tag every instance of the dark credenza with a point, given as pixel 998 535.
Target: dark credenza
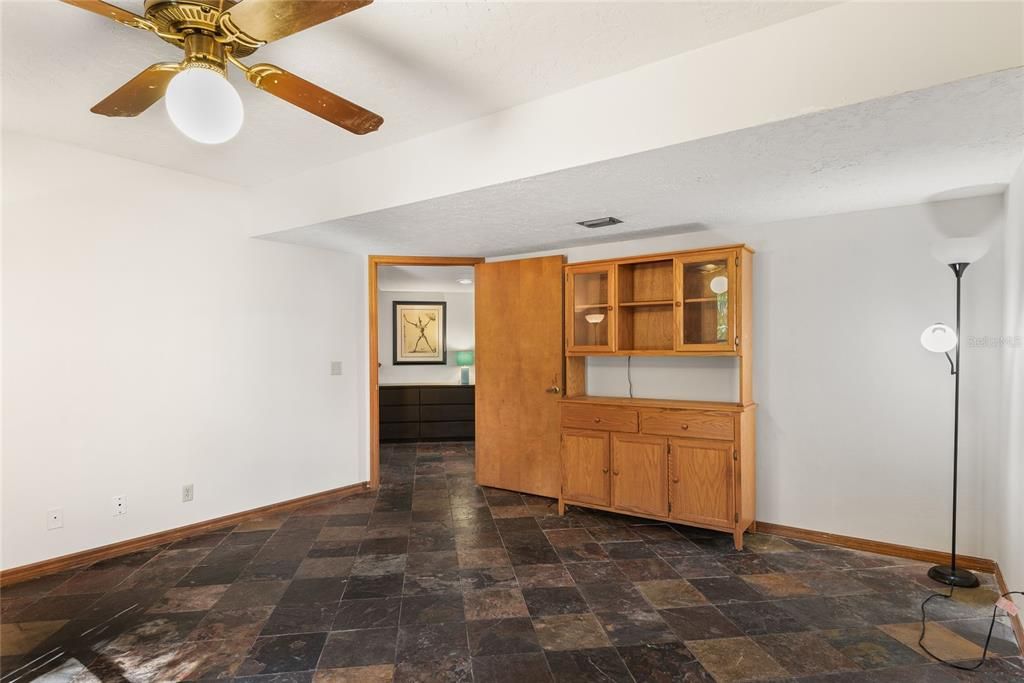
pixel 427 412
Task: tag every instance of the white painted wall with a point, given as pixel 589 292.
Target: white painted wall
pixel 1006 499
pixel 145 347
pixel 460 336
pixel 854 418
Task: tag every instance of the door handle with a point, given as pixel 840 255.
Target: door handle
pixel 553 390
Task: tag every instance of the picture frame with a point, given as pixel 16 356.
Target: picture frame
pixel 419 332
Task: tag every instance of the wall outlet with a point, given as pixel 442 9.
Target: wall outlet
pixel 336 367
pixel 120 505
pixel 54 519
pixel 187 493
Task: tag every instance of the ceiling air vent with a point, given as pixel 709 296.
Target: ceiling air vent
pixel 599 222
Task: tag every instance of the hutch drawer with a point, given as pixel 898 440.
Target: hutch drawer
pixel 687 423
pixel 604 418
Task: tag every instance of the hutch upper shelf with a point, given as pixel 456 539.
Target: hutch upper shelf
pixel 686 303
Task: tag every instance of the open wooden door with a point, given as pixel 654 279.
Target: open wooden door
pixel 519 374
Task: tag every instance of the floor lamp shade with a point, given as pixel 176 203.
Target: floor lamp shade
pixel 959 250
pixel 464 359
pixel 938 338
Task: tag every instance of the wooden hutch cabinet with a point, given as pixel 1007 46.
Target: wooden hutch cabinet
pixel 690 462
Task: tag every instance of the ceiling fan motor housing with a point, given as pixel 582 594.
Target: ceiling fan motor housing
pixel 199 17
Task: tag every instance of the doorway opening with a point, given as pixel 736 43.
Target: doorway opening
pixel 421 351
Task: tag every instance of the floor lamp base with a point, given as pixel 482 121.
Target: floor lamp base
pixel 960 578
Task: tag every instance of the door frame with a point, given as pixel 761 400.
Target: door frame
pixel 373 262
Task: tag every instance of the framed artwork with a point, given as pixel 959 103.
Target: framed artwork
pixel 419 330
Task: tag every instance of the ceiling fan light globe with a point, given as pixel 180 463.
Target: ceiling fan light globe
pixel 204 106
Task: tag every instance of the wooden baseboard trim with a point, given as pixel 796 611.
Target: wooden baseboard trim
pixel 980 564
pixel 87 557
pixel 1015 622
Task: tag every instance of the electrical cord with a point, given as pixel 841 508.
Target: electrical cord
pixel 629 374
pixel 988 638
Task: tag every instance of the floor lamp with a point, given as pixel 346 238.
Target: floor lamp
pixel 957 253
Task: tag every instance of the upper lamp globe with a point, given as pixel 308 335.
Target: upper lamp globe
pixel 204 106
pixel 938 338
pixel 959 249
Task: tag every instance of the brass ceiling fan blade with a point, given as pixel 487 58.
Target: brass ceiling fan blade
pixel 268 20
pixel 313 99
pixel 140 93
pixel 122 16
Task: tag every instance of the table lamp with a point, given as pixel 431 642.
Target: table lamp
pixel 464 359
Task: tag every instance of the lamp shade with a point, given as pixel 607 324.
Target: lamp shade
pixel 938 338
pixel 463 358
pixel 959 249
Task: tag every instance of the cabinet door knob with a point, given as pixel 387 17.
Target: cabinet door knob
pixel 675 481
pixel 615 473
pixel 609 307
pixel 686 426
pixel 679 304
pixel 604 470
pixel 552 390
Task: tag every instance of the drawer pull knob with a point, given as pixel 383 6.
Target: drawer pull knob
pixel 686 426
pixel 597 419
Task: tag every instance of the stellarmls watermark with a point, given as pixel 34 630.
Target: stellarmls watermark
pixel 988 342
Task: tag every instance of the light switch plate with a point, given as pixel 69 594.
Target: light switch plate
pixel 336 367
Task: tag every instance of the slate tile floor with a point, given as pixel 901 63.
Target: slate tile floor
pixel 434 579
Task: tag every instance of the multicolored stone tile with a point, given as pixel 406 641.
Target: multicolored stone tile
pixel 432 578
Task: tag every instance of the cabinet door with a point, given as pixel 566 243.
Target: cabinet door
pixel 585 467
pixel 702 486
pixel 640 474
pixel 589 311
pixel 706 297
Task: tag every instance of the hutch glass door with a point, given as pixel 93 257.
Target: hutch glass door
pixel 590 320
pixel 707 302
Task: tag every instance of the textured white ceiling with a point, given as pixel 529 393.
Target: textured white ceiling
pixel 891 151
pixel 424 278
pixel 423 66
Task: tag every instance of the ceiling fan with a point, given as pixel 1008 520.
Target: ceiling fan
pixel 201 102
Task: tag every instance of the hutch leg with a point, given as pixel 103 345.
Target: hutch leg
pixel 753 527
pixel 737 538
pixel 561 507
